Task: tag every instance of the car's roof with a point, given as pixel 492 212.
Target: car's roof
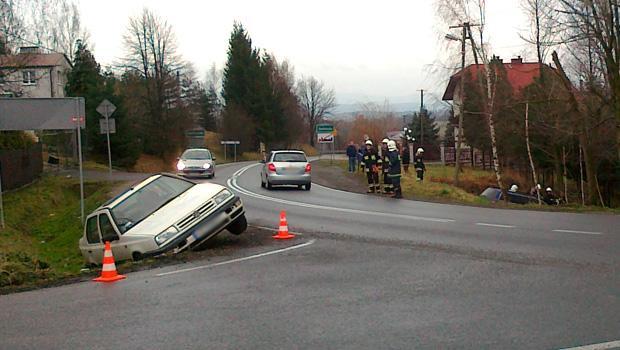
pixel 287 151
pixel 196 149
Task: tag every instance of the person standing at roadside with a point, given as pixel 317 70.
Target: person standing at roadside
pixel 394 169
pixel 385 165
pixel 418 163
pixel 352 154
pixel 369 162
pixel 405 157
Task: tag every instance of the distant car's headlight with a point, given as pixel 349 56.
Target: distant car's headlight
pixel 166 235
pixel 180 165
pixel 222 196
pixel 206 165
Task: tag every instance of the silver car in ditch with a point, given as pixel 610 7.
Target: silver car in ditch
pixel 286 167
pixel 196 162
pixel 164 213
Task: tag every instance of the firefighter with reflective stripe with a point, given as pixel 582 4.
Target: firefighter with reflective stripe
pixel 369 162
pixel 385 165
pixel 394 169
pixel 418 163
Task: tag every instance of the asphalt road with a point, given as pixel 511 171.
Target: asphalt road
pixel 367 273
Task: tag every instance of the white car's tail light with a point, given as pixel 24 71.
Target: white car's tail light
pixel 271 167
pixel 308 167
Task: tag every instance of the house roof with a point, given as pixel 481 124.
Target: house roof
pixel 519 76
pixel 33 60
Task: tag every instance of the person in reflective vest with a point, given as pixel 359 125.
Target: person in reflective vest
pixel 394 169
pixel 418 163
pixel 385 164
pixel 370 162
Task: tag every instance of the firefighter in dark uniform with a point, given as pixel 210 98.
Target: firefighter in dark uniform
pixel 418 163
pixel 394 169
pixel 385 165
pixel 370 163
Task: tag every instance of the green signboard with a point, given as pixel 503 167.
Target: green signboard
pixel 195 133
pixel 324 128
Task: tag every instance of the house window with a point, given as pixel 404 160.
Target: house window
pixel 28 77
pixel 2 80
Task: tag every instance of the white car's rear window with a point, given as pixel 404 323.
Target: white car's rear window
pixel 289 157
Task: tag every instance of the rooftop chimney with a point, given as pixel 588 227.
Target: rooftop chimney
pixel 517 60
pixel 496 59
pixel 29 49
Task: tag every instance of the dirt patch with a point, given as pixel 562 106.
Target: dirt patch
pixel 334 175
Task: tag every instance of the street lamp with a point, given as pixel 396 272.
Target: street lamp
pixel 452 37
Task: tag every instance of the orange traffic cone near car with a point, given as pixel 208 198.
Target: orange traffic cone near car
pixel 108 272
pixel 283 230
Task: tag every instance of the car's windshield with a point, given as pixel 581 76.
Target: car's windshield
pixel 202 154
pixel 289 157
pixel 146 200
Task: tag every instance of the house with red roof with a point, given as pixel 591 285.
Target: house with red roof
pixel 518 74
pixel 34 74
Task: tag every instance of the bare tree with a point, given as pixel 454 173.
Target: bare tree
pixel 151 53
pixel 474 12
pixel 597 23
pixel 543 20
pixel 316 102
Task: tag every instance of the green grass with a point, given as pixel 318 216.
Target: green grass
pixel 43 227
pixel 438 187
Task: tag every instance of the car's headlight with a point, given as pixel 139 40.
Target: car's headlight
pixel 222 196
pixel 180 165
pixel 206 165
pixel 166 235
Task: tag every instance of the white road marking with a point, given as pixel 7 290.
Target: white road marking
pixel 494 225
pixel 600 346
pixel 232 182
pixel 584 232
pixel 238 260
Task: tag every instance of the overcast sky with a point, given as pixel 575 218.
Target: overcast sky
pixel 365 50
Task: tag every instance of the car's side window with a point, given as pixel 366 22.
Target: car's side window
pixel 92 231
pixel 108 233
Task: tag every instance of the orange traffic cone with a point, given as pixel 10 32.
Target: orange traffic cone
pixel 108 272
pixel 283 231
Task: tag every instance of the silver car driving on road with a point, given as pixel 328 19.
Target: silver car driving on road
pixel 196 162
pixel 286 167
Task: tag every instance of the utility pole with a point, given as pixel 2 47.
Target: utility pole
pixel 465 34
pixel 421 115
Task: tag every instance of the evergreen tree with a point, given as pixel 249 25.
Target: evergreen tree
pixel 209 109
pixel 86 80
pixel 430 131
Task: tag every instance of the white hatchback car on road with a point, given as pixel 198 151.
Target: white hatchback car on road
pixel 160 214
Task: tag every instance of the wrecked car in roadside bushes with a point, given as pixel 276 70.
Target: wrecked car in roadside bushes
pixel 163 213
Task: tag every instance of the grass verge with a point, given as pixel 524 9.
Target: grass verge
pixel 39 242
pixel 438 187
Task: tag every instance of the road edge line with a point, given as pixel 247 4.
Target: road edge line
pixel 255 256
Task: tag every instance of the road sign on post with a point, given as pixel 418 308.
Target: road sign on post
pixel 103 126
pixel 325 133
pixel 106 108
pixel 234 143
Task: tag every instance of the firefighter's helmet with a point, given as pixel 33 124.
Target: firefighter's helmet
pixel 391 145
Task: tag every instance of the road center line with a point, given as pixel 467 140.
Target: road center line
pixel 583 232
pixel 494 225
pixel 232 182
pixel 600 346
pixel 238 260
